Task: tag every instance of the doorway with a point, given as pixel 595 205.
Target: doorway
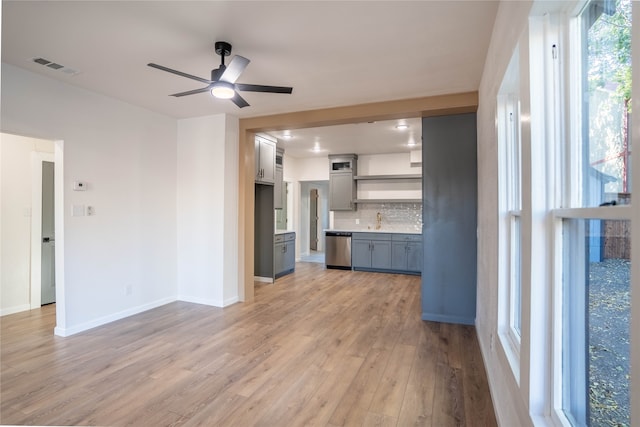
pixel 313 219
pixel 28 162
pixel 47 245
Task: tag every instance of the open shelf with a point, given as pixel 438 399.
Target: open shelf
pixel 387 177
pixel 361 201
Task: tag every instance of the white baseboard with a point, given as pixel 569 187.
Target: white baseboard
pixel 14 309
pixel 262 279
pixel 211 302
pixel 65 332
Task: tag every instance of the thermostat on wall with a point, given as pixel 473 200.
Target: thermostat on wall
pixel 79 186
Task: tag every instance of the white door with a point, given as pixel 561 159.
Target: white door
pixel 48 283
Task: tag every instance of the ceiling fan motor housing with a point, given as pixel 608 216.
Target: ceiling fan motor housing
pixel 223 48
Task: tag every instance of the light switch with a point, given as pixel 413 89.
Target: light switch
pixel 77 210
pixel 79 186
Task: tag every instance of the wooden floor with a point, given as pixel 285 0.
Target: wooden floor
pixel 317 348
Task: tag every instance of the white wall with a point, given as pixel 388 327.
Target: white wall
pixel 511 21
pixel 127 155
pixel 208 210
pixel 307 169
pixel 15 224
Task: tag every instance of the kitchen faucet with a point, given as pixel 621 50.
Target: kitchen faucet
pixel 378 221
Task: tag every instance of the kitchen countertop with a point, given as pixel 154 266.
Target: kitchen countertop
pixel 378 231
pixel 283 232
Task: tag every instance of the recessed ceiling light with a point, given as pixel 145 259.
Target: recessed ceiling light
pixel 402 126
pixel 287 136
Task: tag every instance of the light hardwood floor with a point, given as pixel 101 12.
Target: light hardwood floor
pixel 317 348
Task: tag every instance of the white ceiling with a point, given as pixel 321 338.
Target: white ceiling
pixel 333 53
pixel 361 138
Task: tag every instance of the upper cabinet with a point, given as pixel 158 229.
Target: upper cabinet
pixel 278 191
pixel 265 152
pixel 342 185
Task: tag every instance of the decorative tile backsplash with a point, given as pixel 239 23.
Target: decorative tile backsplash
pixel 400 217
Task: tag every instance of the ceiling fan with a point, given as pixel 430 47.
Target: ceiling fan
pixel 223 79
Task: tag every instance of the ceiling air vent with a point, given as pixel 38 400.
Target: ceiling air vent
pixel 41 61
pixel 54 66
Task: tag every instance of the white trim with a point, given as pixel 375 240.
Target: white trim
pixel 15 309
pixel 211 302
pixel 65 332
pixel 634 385
pixel 604 212
pixel 37 159
pixel 61 302
pixel 262 279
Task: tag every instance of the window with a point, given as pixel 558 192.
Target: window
pixel 592 311
pixel 509 143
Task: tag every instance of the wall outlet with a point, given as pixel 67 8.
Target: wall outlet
pixel 91 211
pixel 128 290
pixel 357 221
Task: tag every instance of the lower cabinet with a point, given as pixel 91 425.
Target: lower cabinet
pixel 406 253
pixel 284 254
pixel 371 251
pixel 389 252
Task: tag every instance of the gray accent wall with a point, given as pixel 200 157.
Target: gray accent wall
pixel 449 190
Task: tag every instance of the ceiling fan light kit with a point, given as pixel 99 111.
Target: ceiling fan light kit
pixel 223 79
pixel 223 90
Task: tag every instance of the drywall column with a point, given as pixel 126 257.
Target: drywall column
pixel 208 210
pixel 449 185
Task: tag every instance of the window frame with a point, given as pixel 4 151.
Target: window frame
pixel 508 122
pixel 568 169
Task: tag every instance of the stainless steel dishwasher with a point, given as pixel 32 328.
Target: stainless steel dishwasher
pixel 338 249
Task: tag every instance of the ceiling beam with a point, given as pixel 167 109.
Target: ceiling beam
pixel 388 110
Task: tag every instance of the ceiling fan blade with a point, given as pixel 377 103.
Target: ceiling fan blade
pixel 179 73
pixel 191 92
pixel 239 101
pixel 234 69
pixel 262 88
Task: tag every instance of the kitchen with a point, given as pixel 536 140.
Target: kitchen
pixel 406 215
pixel 387 151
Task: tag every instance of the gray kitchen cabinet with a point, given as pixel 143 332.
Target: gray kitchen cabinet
pixel 449 164
pixel 284 254
pixel 263 232
pixel 278 193
pixel 265 153
pixel 371 251
pixel 342 185
pixel 406 253
pixel 341 192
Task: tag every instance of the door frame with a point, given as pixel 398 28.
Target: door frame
pixel 37 160
pixel 317 218
pixel 36 231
